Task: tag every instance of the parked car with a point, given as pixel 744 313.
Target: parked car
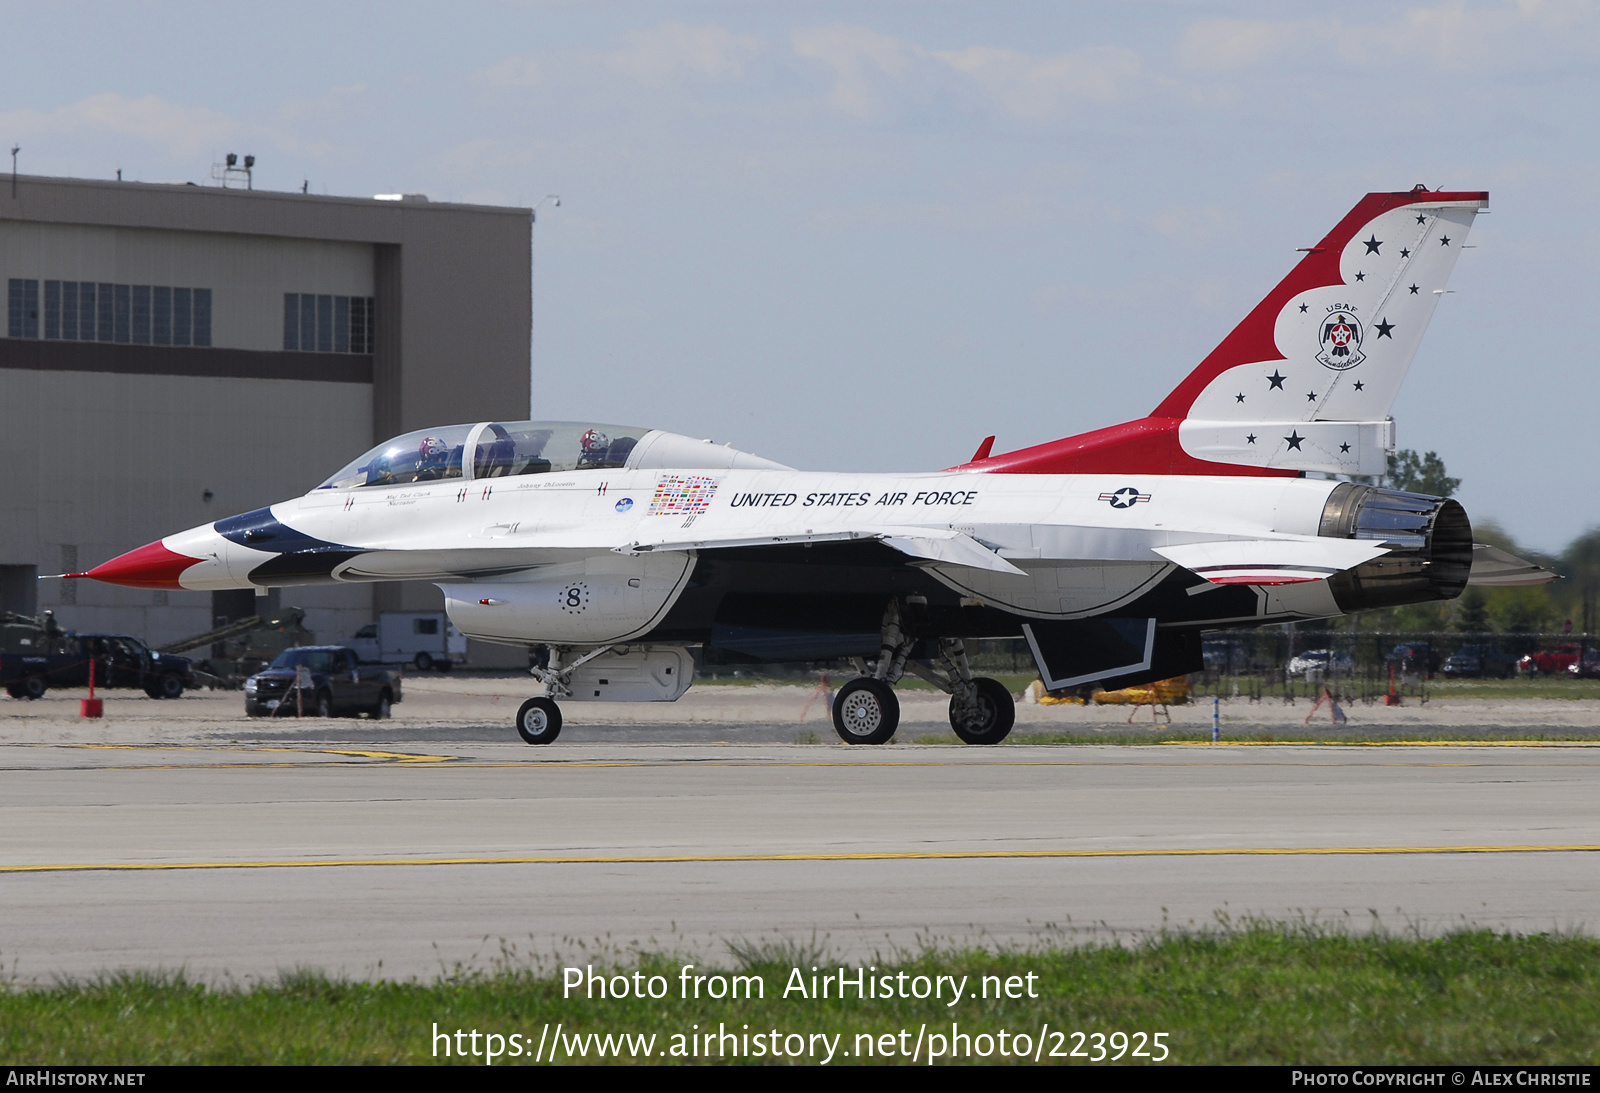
pixel 1224 655
pixel 1550 662
pixel 1479 662
pixel 1414 658
pixel 119 661
pixel 321 681
pixel 1325 662
pixel 1587 666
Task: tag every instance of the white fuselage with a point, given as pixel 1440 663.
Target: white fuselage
pixel 597 556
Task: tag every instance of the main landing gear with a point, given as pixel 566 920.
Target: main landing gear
pixel 866 711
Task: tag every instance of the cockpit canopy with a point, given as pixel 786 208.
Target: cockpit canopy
pixel 503 449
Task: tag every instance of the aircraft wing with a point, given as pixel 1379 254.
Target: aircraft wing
pixel 1495 568
pixel 922 545
pixel 1272 561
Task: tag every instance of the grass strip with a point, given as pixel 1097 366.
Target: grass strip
pixel 1258 993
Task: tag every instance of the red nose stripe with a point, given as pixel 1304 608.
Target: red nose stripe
pixel 151 566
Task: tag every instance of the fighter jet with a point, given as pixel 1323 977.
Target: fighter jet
pixel 611 550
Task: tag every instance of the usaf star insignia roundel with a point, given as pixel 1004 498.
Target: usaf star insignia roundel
pixel 1340 340
pixel 1125 498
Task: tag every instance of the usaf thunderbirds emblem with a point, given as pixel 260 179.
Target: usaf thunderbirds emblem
pixel 1341 340
pixel 1125 498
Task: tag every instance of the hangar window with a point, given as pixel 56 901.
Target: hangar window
pixel 122 313
pixel 322 323
pixel 22 309
pixel 89 311
pixel 104 326
pixel 161 315
pixel 182 316
pixel 52 309
pixel 141 314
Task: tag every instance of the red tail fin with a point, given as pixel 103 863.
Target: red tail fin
pixel 1307 380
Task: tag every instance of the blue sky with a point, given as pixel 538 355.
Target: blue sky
pixel 866 235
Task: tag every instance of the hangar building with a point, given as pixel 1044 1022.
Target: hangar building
pixel 173 354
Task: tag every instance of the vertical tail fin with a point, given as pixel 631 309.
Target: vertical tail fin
pixel 1307 380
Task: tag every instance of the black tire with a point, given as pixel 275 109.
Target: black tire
pixel 866 711
pixel 423 662
pixel 31 688
pixel 169 687
pixel 324 704
pixel 381 711
pixel 539 721
pixel 997 713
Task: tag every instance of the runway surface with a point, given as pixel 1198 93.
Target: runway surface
pixel 373 856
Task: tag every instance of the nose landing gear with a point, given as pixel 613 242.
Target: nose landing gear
pixel 539 719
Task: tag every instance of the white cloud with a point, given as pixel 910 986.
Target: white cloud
pixel 665 53
pixel 1030 87
pixel 871 70
pixel 1188 225
pixel 1223 44
pixel 513 72
pixel 856 55
pixel 1454 35
pixel 182 130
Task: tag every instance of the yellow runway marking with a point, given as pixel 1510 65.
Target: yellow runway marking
pixel 870 855
pixel 398 756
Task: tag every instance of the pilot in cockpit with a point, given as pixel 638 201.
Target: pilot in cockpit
pixel 592 448
pixel 433 460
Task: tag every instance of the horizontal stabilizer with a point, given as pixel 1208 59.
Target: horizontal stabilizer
pixel 1272 561
pixel 933 545
pixel 1495 568
pixel 1333 447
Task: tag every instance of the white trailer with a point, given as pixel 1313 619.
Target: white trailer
pixel 423 639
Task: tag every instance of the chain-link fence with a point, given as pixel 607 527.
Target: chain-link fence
pixel 1288 663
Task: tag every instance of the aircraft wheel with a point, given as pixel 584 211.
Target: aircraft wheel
pixel 992 720
pixel 866 711
pixel 539 721
pixel 424 662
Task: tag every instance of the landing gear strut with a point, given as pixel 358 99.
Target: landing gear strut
pixel 866 711
pixel 539 719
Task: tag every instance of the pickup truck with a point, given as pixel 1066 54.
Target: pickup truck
pixel 119 661
pixel 321 681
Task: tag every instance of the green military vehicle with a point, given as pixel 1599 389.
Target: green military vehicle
pixel 244 646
